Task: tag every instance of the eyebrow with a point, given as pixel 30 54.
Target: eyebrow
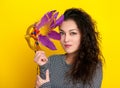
pixel 69 30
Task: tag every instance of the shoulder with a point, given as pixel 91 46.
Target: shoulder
pixel 98 76
pixel 56 60
pixel 56 57
pixel 99 71
pixel 99 65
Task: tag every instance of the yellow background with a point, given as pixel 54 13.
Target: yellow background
pixel 17 68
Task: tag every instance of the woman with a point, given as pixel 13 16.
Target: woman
pixel 81 66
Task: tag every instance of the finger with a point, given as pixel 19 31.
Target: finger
pixel 37 82
pixel 36 87
pixel 40 57
pixel 36 57
pixel 39 78
pixel 43 58
pixel 40 51
pixel 47 75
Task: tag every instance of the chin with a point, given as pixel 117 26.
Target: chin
pixel 69 52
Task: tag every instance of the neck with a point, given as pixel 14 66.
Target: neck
pixel 70 58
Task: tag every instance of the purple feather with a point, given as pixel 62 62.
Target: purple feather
pixel 58 22
pixel 54 35
pixel 46 42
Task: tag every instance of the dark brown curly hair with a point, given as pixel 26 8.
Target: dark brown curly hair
pixel 88 55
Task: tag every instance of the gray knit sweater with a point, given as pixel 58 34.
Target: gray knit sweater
pixel 57 69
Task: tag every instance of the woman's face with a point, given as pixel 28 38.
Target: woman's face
pixel 70 36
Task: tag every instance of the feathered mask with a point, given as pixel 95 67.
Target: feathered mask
pixel 43 31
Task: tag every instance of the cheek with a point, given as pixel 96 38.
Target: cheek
pixel 61 41
pixel 77 41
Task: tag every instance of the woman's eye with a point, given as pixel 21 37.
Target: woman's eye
pixel 73 33
pixel 62 33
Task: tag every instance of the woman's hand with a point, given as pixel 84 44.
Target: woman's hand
pixel 41 81
pixel 40 58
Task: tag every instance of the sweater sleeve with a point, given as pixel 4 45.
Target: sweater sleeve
pixel 43 69
pixel 46 85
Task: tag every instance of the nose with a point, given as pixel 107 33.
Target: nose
pixel 66 38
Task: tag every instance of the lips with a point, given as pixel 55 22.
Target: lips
pixel 67 46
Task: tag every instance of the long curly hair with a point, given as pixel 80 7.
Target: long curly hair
pixel 88 55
